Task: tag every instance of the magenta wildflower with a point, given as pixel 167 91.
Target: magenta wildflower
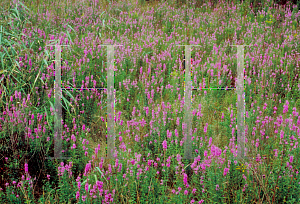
pixel 281 134
pixel 205 128
pixel 164 144
pixel 226 170
pixel 26 168
pixel 286 107
pixel 276 152
pixel 87 168
pixel 176 133
pixel 205 153
pixel 132 161
pixel 73 137
pixel 245 187
pixel 185 177
pixel 291 159
pixel 210 140
pixel 244 177
pixel 194 190
pixel 74 146
pixel 99 185
pixel 86 187
pixel 83 198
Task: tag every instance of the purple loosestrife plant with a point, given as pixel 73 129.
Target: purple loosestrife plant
pixel 151 102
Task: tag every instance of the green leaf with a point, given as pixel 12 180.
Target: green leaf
pixel 66 102
pixel 1 35
pixel 24 7
pixel 31 44
pixel 8 54
pixel 69 37
pixel 101 173
pixel 115 19
pixel 102 13
pixel 109 27
pixel 51 104
pixel 69 94
pixel 71 28
pixel 84 181
pixel 2 62
pixel 15 16
pixel 47 118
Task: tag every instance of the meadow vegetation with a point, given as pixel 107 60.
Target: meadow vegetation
pixel 149 101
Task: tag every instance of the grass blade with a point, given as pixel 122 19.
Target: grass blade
pixel 101 173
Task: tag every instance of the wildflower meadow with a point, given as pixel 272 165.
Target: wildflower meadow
pixel 133 76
